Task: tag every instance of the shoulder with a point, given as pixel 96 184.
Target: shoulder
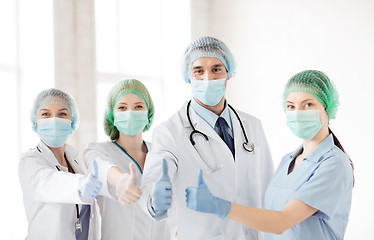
pixel 149 145
pixel 32 159
pixel 173 122
pixel 247 117
pixel 32 153
pixel 337 159
pixel 335 164
pixel 29 153
pixel 99 145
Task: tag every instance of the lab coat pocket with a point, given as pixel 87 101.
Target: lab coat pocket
pixel 219 237
pixel 207 154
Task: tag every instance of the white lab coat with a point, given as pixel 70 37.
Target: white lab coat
pixel 242 181
pixel 50 195
pixel 117 220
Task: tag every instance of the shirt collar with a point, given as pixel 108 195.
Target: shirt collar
pixel 209 116
pixel 326 145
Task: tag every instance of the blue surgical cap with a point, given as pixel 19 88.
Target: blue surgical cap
pixel 55 96
pixel 207 47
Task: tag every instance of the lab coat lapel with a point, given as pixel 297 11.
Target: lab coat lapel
pixel 47 154
pixel 72 157
pixel 202 126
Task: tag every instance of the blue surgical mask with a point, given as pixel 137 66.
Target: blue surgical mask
pixel 54 131
pixel 304 123
pixel 131 122
pixel 209 92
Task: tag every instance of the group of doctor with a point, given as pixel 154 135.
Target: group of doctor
pixel 208 173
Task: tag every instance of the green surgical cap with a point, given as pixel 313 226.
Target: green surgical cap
pixel 121 88
pixel 318 85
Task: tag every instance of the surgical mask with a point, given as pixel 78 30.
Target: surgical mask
pixel 209 92
pixel 131 122
pixel 304 123
pixel 54 131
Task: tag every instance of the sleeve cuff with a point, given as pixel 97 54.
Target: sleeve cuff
pixel 154 215
pixel 106 190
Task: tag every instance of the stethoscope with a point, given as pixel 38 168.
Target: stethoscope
pixel 250 147
pixel 78 223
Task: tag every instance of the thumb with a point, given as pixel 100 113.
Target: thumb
pixel 95 169
pixel 165 171
pixel 132 172
pixel 200 179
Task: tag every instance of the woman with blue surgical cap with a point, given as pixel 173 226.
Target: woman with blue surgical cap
pixel 128 113
pixel 57 195
pixel 309 196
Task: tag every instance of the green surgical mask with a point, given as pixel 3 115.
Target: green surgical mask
pixel 131 122
pixel 304 123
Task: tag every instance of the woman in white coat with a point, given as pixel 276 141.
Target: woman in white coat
pixel 230 146
pixel 52 180
pixel 129 112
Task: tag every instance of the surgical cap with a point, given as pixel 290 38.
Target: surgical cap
pixel 121 88
pixel 207 47
pixel 55 96
pixel 318 85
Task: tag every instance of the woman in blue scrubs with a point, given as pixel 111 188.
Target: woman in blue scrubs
pixel 309 196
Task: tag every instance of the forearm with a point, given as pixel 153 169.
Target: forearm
pixel 59 187
pixel 260 219
pixel 271 221
pixel 114 174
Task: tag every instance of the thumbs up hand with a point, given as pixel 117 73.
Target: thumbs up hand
pixel 126 189
pixel 89 185
pixel 161 191
pixel 202 200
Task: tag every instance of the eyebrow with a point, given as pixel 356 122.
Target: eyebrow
pixel 214 66
pixel 302 101
pixel 139 103
pixel 196 67
pixel 217 65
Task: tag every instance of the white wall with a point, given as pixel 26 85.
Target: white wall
pixel 272 40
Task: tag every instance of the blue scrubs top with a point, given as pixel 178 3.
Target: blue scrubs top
pixel 323 181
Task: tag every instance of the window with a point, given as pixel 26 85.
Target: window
pixel 144 40
pixel 26 67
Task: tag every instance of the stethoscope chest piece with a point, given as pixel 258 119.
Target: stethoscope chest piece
pixel 249 146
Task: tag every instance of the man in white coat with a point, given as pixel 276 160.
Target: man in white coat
pixel 207 133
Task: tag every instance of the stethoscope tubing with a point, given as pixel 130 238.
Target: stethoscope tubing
pixel 194 131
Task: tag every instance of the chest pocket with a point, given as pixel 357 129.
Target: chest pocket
pixel 210 161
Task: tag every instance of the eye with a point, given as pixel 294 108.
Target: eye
pixel 217 70
pixel 197 72
pixel 122 108
pixel 45 114
pixel 308 105
pixel 138 107
pixel 63 114
pixel 290 107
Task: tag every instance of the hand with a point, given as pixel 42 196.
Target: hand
pixel 89 185
pixel 202 200
pixel 161 192
pixel 126 189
